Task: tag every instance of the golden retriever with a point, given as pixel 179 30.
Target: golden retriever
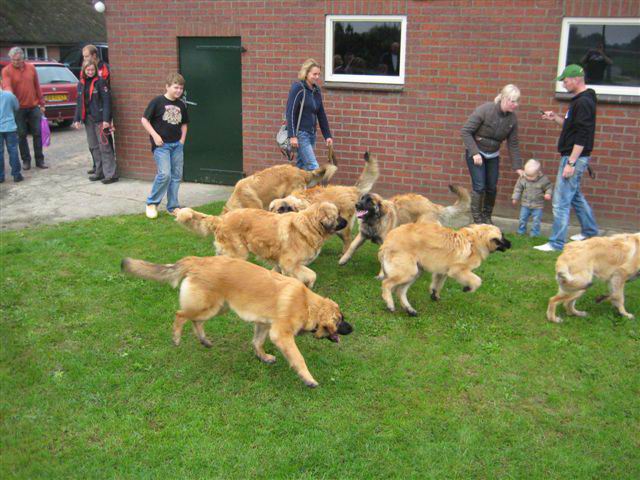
pixel 614 259
pixel 378 216
pixel 280 307
pixel 414 247
pixel 343 197
pixel 261 188
pixel 289 241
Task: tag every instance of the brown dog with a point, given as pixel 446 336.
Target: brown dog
pixel 614 259
pixel 288 241
pixel 414 247
pixel 280 307
pixel 344 198
pixel 379 216
pixel 261 188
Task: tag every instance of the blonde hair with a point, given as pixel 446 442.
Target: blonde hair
pixel 308 64
pixel 510 92
pixel 531 167
pixel 174 78
pixel 88 64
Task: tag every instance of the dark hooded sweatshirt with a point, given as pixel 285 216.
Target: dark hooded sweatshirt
pixel 579 124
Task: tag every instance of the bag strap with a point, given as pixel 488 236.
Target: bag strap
pixel 304 94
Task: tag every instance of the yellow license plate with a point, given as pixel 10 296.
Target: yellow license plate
pixel 56 98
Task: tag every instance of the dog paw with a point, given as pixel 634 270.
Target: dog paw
pixel 176 341
pixel 434 296
pixel 412 313
pixel 268 359
pixel 379 277
pixel 206 342
pixel 627 315
pixel 311 383
pixel 601 298
pixel 555 320
pixel 466 289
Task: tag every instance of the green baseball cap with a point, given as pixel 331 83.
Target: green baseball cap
pixel 571 71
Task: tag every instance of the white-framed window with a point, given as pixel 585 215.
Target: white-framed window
pixel 365 48
pixel 607 48
pixel 35 53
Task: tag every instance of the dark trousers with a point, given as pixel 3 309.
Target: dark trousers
pixel 28 120
pixel 484 178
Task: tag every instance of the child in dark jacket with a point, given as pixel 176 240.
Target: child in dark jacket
pixel 94 110
pixel 532 189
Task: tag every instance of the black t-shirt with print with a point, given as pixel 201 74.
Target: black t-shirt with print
pixel 166 117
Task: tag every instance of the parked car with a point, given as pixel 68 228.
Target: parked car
pixel 71 57
pixel 59 89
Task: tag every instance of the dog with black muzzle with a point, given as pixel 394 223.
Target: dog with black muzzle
pixel 378 216
pixel 280 307
pixel 412 248
pixel 289 241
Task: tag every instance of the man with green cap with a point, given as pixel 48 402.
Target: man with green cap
pixel 575 145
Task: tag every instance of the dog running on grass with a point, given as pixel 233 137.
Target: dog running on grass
pixel 615 259
pixel 279 307
pixel 414 247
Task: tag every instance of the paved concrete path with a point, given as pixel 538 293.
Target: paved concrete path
pixel 64 193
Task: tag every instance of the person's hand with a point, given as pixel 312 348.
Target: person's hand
pixel 549 115
pixel 547 196
pixel 329 141
pixel 514 202
pixel 477 159
pixel 182 141
pixel 568 171
pixel 520 172
pixel 158 141
pixel 42 110
pixel 113 129
pixel 294 142
pixel 76 125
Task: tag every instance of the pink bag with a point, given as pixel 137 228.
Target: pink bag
pixel 45 132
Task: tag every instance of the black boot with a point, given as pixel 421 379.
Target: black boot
pixel 476 206
pixel 487 207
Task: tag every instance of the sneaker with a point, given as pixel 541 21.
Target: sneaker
pixel 578 237
pixel 107 181
pixel 18 178
pixel 546 248
pixel 152 211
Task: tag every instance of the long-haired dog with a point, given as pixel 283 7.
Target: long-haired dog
pixel 343 197
pixel 289 241
pixel 614 259
pixel 280 307
pixel 261 188
pixel 412 248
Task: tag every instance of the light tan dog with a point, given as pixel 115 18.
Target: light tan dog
pixel 279 306
pixel 414 247
pixel 261 188
pixel 378 216
pixel 289 241
pixel 614 259
pixel 343 197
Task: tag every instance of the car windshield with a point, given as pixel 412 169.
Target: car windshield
pixel 55 74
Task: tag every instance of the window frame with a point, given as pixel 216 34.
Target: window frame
pixel 567 22
pixel 330 77
pixel 35 48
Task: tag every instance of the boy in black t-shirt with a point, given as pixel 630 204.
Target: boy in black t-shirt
pixel 166 119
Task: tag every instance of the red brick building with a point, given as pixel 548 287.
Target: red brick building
pixel 454 55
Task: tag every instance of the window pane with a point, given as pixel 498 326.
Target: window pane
pixel 608 53
pixel 54 74
pixel 366 48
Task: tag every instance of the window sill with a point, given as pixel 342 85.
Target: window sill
pixel 362 86
pixel 605 98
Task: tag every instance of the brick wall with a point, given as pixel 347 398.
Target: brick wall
pixel 459 55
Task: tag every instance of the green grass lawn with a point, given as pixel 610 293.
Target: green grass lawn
pixel 479 385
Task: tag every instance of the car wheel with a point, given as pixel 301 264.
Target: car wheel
pixel 65 123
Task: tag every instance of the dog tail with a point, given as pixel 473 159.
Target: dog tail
pixel 462 204
pixel 321 175
pixel 197 222
pixel 171 273
pixel 369 175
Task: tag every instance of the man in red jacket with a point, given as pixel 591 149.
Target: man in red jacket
pixel 22 79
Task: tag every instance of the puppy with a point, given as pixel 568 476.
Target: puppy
pixel 261 188
pixel 614 259
pixel 414 247
pixel 288 241
pixel 343 197
pixel 280 307
pixel 378 216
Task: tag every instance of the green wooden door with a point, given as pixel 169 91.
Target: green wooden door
pixel 212 71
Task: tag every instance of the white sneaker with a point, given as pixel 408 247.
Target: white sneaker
pixel 578 237
pixel 545 248
pixel 152 211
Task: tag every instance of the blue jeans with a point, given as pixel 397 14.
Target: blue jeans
pixel 306 156
pixel 169 160
pixel 567 194
pixel 11 139
pixel 484 178
pixel 536 216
